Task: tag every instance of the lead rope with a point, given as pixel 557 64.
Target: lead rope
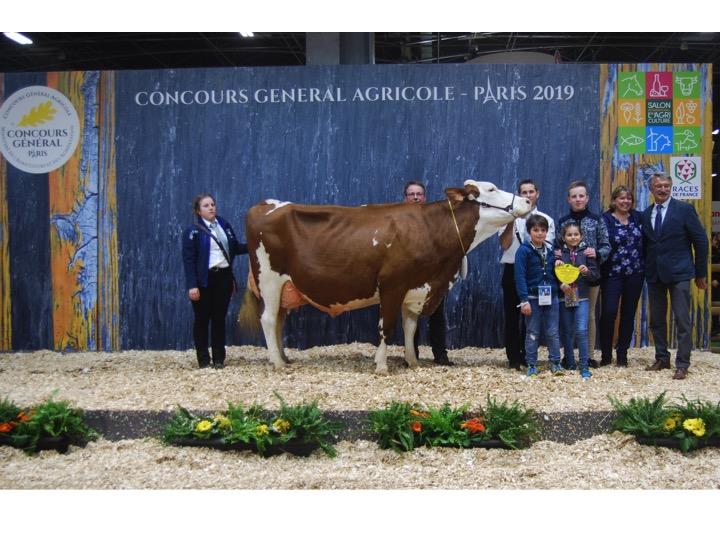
pixel 463 265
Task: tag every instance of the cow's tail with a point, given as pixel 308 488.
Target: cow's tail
pixel 249 314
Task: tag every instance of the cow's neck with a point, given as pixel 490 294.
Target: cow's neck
pixel 466 217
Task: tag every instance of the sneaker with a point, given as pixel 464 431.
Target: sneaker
pixel 571 367
pixel 593 363
pixel 557 370
pixel 532 371
pixel 585 374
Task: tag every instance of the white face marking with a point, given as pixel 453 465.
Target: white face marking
pixel 277 204
pixel 493 218
pixel 414 300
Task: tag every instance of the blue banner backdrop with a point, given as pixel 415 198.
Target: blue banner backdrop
pixel 345 135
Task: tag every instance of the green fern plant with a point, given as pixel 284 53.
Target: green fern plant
pixel 511 422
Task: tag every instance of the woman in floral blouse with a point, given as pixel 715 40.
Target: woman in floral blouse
pixel 623 275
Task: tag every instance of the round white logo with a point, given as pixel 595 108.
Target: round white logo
pixel 39 129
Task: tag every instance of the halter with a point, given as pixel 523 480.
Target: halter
pixel 508 208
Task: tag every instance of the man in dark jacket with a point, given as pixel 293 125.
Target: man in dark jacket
pixel 672 230
pixel 415 194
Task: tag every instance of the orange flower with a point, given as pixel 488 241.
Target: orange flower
pixel 473 425
pixel 416 427
pixel 7 427
pixel 421 414
pixel 23 417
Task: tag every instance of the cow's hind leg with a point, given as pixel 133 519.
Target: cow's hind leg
pixel 282 313
pixel 410 321
pixel 271 319
pixel 389 308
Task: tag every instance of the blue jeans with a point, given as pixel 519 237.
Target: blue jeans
pixel 545 320
pixel 575 328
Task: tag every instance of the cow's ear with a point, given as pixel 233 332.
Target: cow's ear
pixel 455 194
pixel 471 191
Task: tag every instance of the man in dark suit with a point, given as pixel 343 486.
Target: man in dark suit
pixel 672 230
pixel 415 194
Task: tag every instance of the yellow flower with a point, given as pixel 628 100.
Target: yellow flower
pixel 696 426
pixel 670 424
pixel 281 425
pixel 262 429
pixel 203 426
pixel 222 421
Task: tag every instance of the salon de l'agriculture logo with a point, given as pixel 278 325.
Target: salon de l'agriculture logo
pixel 39 129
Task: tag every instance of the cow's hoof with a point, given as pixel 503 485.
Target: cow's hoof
pixel 413 366
pixel 382 371
pixel 279 365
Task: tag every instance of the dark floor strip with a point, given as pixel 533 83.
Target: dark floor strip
pixel 559 427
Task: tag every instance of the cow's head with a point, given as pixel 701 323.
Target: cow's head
pixel 495 207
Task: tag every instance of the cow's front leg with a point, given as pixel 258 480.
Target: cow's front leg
pixel 410 321
pixel 389 308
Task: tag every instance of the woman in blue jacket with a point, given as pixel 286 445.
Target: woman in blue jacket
pixel 209 246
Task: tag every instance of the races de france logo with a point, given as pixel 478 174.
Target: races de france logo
pixel 39 129
pixel 685 170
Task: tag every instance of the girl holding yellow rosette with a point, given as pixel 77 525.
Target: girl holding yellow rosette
pixel 575 270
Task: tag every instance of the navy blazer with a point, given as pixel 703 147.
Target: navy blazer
pixel 669 257
pixel 196 251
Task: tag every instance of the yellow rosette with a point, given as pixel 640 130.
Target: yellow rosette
pixel 567 273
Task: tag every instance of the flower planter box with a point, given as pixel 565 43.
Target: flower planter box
pixel 299 448
pixel 296 448
pixel 217 444
pixel 61 444
pixel 491 443
pixel 672 442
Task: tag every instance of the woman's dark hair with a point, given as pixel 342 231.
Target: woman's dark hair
pixel 536 220
pixel 616 193
pixel 567 225
pixel 197 199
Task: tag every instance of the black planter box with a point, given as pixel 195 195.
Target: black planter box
pixel 61 444
pixel 217 444
pixel 490 443
pixel 296 448
pixel 672 442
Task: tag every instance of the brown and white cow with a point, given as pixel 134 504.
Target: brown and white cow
pixel 403 256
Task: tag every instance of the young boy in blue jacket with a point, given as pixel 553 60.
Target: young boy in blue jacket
pixel 538 292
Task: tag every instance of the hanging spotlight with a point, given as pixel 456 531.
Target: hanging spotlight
pixel 18 38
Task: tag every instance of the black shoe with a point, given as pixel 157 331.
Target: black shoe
pixel 218 366
pixel 514 366
pixel 605 362
pixel 622 363
pixel 203 366
pixel 593 364
pixel 443 361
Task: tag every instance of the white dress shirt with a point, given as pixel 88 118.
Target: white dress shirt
pixel 216 255
pixel 520 235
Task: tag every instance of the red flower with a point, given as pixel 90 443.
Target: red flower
pixel 7 427
pixel 473 425
pixel 416 427
pixel 23 417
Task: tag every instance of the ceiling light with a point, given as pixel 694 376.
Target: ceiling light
pixel 246 34
pixel 716 131
pixel 714 174
pixel 19 38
